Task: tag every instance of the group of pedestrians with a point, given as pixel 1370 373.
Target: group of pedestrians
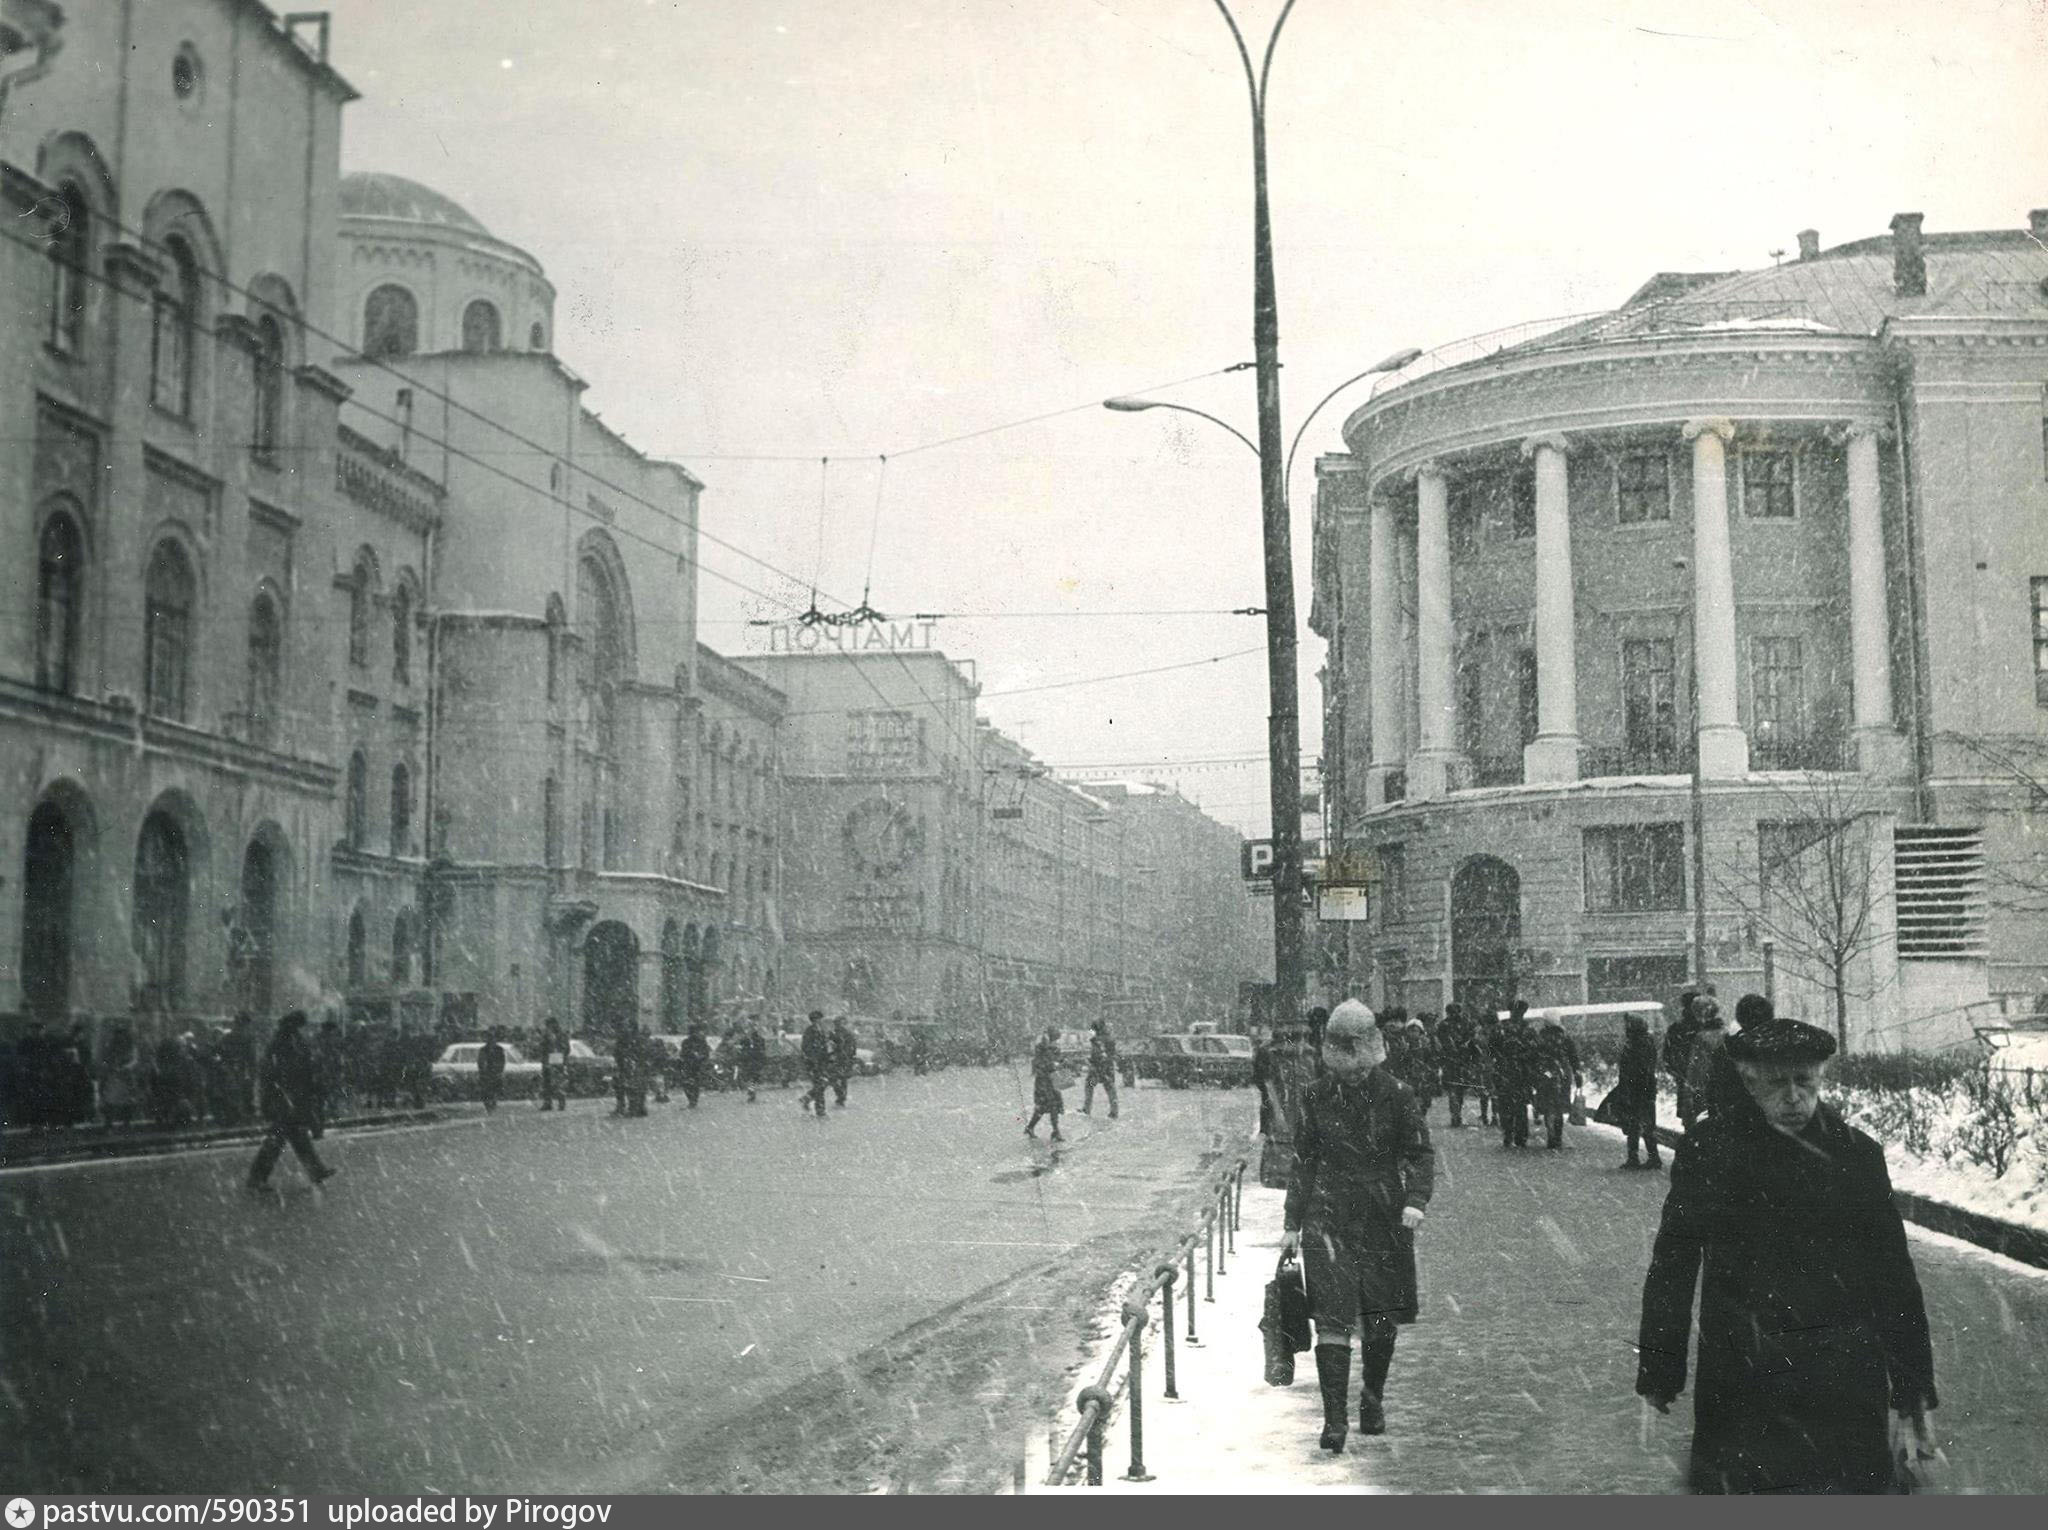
pixel 1815 1371
pixel 831 1058
pixel 1049 1064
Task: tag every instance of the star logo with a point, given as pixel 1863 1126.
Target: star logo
pixel 20 1513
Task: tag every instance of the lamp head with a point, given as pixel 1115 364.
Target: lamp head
pixel 1128 405
pixel 1398 360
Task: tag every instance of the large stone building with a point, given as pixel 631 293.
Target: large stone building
pixel 933 869
pixel 1797 514
pixel 168 705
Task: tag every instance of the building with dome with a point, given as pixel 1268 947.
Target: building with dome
pixel 1708 638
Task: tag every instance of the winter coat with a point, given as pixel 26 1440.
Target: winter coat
pixel 695 1058
pixel 1555 1070
pixel 490 1063
pixel 1703 1061
pixel 844 1053
pixel 1101 1056
pixel 1456 1046
pixel 1512 1056
pixel 291 1081
pixel 817 1049
pixel 1045 1066
pixel 1635 1095
pixel 1361 1154
pixel 1811 1320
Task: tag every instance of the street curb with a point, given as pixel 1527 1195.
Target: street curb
pixel 15 1156
pixel 2000 1237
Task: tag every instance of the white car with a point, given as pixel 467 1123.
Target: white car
pixel 455 1072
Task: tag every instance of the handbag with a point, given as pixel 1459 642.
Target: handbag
pixel 1606 1114
pixel 1063 1079
pixel 1285 1323
pixel 1578 1110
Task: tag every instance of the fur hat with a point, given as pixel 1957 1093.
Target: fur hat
pixel 1781 1039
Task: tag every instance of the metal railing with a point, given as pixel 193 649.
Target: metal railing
pixel 1222 1215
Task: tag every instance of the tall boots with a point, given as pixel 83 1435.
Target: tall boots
pixel 1333 1370
pixel 1378 1344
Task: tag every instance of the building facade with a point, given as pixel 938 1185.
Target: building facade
pixel 734 842
pixel 169 715
pixel 1789 526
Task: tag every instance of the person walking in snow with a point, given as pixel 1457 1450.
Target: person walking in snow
pixel 817 1056
pixel 291 1103
pixel 845 1058
pixel 1364 1172
pixel 1101 1070
pixel 1634 1102
pixel 1046 1099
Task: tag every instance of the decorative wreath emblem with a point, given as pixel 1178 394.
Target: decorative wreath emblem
pixel 880 837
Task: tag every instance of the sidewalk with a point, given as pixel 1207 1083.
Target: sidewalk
pixel 1229 1433
pixel 36 1146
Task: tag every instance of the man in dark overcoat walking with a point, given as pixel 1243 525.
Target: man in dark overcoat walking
pixel 845 1058
pixel 1514 1068
pixel 817 1055
pixel 291 1102
pixel 1454 1039
pixel 1101 1070
pixel 1634 1102
pixel 1812 1328
pixel 1364 1171
pixel 694 1065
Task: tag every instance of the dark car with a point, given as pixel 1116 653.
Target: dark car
pixel 1179 1061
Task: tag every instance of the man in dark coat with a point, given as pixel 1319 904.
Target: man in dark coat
pixel 1046 1099
pixel 1514 1066
pixel 1634 1101
pixel 1101 1069
pixel 1484 1029
pixel 1811 1321
pixel 694 1066
pixel 1554 1075
pixel 845 1058
pixel 490 1070
pixel 817 1055
pixel 291 1102
pixel 1454 1042
pixel 752 1060
pixel 1364 1171
pixel 554 1066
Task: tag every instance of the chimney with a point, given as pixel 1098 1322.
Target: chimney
pixel 1909 262
pixel 1809 244
pixel 2037 224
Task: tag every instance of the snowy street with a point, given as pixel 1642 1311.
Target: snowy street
pixel 1520 1375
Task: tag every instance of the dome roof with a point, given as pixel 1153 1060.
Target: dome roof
pixel 374 195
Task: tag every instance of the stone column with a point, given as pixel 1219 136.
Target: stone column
pixel 1554 754
pixel 1723 746
pixel 1429 768
pixel 1879 746
pixel 1383 610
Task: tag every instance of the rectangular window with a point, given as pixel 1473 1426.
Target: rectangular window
pixel 1619 979
pixel 1525 677
pixel 1393 888
pixel 1472 702
pixel 2040 588
pixel 1521 492
pixel 1464 498
pixel 1635 868
pixel 1642 488
pixel 1777 710
pixel 1649 704
pixel 1767 478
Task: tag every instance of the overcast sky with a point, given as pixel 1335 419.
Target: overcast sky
pixel 851 228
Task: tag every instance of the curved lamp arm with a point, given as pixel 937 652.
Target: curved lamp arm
pixel 1392 363
pixel 1136 405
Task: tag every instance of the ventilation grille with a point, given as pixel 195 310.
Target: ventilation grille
pixel 1940 885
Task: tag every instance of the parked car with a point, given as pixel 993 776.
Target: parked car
pixel 589 1070
pixel 454 1073
pixel 1178 1061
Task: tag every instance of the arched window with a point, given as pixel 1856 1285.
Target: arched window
pixel 268 426
pixel 167 632
pixel 551 821
pixel 70 271
pixel 556 622
pixel 391 324
pixel 173 316
pixel 357 823
pixel 401 810
pixel 163 891
pixel 480 328
pixel 401 634
pixel 362 585
pixel 604 647
pixel 536 339
pixel 266 666
pixel 403 943
pixel 358 950
pixel 60 593
pixel 48 884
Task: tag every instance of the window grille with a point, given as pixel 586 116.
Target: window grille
pixel 1938 879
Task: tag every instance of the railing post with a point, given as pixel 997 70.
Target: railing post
pixel 1209 1266
pixel 1238 1210
pixel 1230 1216
pixel 1165 1274
pixel 1096 1429
pixel 1223 1238
pixel 1135 1316
pixel 1193 1342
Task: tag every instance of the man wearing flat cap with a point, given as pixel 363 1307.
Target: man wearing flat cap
pixel 1363 1173
pixel 1813 1343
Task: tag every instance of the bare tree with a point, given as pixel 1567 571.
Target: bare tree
pixel 2018 883
pixel 1810 888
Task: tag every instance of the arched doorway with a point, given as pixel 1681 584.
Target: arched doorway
pixel 255 947
pixel 163 901
pixel 48 883
pixel 674 978
pixel 709 981
pixel 1486 929
pixel 611 978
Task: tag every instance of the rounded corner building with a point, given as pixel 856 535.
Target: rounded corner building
pixel 1707 639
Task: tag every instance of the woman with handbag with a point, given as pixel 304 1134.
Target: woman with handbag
pixel 1046 1099
pixel 1363 1174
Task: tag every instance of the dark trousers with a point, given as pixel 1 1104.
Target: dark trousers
pixel 1108 1083
pixel 839 1083
pixel 1485 1105
pixel 552 1092
pixel 274 1141
pixel 490 1091
pixel 1512 1114
pixel 815 1100
pixel 1642 1127
pixel 1454 1098
pixel 692 1087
